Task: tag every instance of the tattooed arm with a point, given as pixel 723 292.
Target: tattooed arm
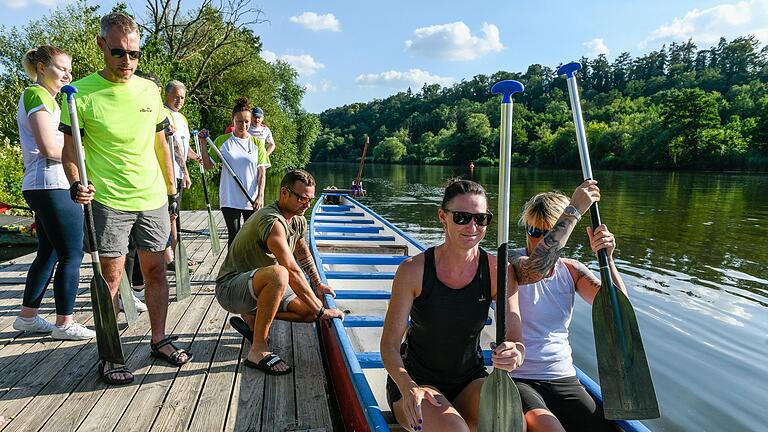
pixel 536 265
pixel 307 263
pixel 587 284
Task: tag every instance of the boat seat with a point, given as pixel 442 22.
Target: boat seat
pixel 363 294
pixel 344 221
pixel 362 260
pixel 348 229
pixel 357 249
pixel 376 321
pixel 340 214
pixel 373 238
pixel 359 275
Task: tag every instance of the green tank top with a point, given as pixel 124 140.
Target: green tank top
pixel 249 251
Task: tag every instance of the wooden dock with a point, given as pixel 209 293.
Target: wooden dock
pixel 49 385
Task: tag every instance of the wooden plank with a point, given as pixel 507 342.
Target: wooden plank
pixel 246 402
pixel 279 395
pixel 312 408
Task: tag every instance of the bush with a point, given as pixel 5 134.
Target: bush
pixel 11 172
pixel 486 161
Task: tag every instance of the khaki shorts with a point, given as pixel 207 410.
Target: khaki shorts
pixel 236 294
pixel 151 229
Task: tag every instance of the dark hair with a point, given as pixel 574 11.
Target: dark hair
pixel 291 177
pixel 458 186
pixel 241 105
pixel 149 76
pixel 43 54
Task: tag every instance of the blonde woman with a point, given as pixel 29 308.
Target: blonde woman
pixel 46 190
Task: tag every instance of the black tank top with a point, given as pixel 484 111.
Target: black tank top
pixel 443 341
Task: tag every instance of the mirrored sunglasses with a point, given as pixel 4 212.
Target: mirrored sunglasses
pixel 535 232
pixel 463 218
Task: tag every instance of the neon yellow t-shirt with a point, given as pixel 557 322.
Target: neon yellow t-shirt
pixel 119 122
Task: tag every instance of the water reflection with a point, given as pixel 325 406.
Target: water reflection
pixel 692 251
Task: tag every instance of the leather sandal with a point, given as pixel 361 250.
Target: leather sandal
pixel 173 358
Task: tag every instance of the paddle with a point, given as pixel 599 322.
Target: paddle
pixel 624 375
pixel 126 295
pixel 215 244
pixel 180 262
pixel 107 335
pixel 500 405
pixel 357 183
pixel 229 168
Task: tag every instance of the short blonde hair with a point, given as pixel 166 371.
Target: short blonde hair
pixel 543 210
pixel 43 54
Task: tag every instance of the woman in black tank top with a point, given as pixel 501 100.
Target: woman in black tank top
pixel 435 378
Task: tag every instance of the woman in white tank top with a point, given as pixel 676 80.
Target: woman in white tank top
pixel 553 398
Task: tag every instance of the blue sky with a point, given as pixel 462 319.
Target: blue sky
pixel 349 51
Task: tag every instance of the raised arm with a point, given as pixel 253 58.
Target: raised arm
pixel 537 264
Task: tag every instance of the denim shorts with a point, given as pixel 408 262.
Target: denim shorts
pixel 151 229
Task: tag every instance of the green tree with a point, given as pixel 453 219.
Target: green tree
pixel 390 150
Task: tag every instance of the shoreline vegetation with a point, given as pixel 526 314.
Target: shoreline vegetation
pixel 678 108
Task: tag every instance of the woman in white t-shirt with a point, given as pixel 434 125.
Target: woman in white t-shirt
pixel 249 159
pixel 553 398
pixel 58 219
pixel 261 131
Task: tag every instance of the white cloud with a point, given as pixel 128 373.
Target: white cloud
pixel 414 78
pixel 317 22
pixel 595 47
pixel 268 56
pixel 454 41
pixel 708 25
pixel 323 87
pixel 304 64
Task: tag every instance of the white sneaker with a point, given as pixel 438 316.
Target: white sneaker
pixel 73 331
pixel 138 294
pixel 33 325
pixel 140 306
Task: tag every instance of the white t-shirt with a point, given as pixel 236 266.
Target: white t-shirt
pixel 181 139
pixel 40 172
pixel 263 133
pixel 546 308
pixel 245 156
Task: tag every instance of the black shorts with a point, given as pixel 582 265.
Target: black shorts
pixel 450 391
pixel 567 399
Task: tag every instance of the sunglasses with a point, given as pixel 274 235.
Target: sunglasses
pixel 463 218
pixel 301 199
pixel 120 53
pixel 535 232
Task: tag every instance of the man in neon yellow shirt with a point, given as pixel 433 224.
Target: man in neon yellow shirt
pixel 126 155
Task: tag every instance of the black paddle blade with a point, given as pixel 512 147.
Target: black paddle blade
pixel 107 335
pixel 181 268
pixel 625 378
pixel 215 243
pixel 500 404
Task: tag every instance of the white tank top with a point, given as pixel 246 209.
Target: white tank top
pixel 546 308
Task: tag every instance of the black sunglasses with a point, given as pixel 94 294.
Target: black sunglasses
pixel 120 53
pixel 463 218
pixel 301 199
pixel 535 232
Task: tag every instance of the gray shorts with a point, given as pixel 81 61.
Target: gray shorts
pixel 150 228
pixel 236 294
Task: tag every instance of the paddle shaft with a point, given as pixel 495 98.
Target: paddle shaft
pixel 505 154
pixel 231 171
pixel 202 171
pixel 586 169
pixel 358 177
pixel 107 335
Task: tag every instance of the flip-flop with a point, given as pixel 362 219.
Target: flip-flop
pixel 267 363
pixel 241 326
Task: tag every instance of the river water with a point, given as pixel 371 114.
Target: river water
pixel 692 251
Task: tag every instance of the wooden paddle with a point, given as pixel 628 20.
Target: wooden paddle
pixel 500 405
pixel 230 170
pixel 625 379
pixel 215 243
pixel 126 295
pixel 180 261
pixel 104 319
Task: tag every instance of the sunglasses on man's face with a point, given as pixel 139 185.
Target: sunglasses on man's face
pixel 535 232
pixel 463 218
pixel 301 199
pixel 120 53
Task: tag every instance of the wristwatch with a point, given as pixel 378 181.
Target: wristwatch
pixel 573 212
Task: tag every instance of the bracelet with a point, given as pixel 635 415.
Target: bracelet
pixel 320 313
